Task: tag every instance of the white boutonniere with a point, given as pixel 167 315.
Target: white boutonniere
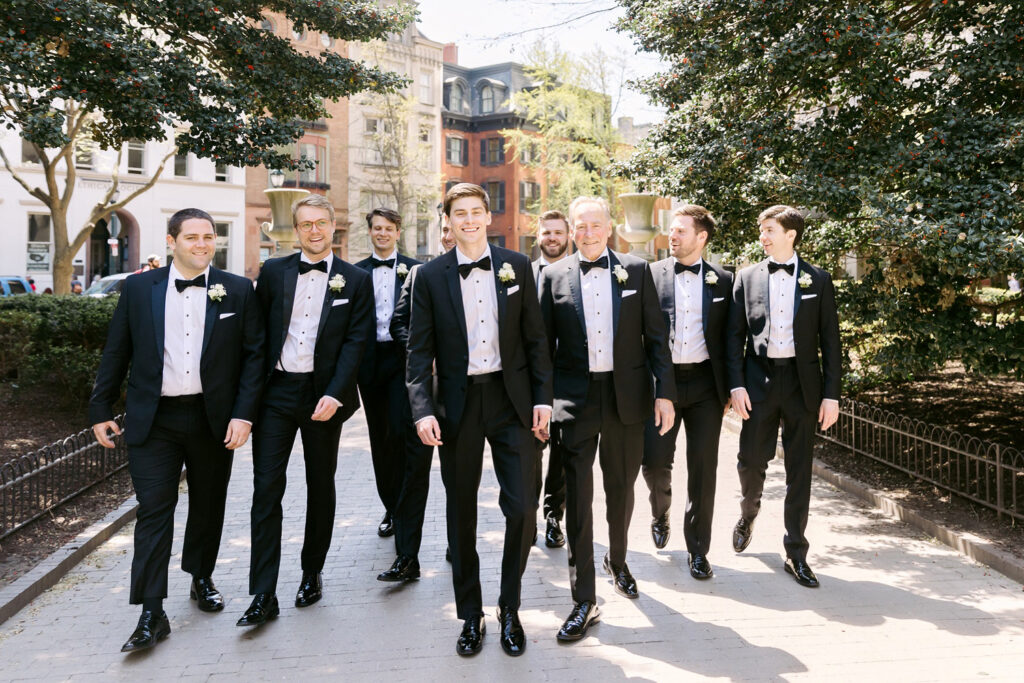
pixel 620 273
pixel 336 283
pixel 804 280
pixel 216 292
pixel 505 273
pixel 402 270
pixel 711 278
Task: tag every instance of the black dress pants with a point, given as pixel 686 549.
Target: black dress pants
pixel 288 403
pixel 180 435
pixel 784 403
pixel 553 483
pixel 700 411
pixel 490 415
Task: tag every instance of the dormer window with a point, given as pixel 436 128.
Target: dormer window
pixel 486 100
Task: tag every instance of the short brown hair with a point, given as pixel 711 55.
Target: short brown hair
pixel 315 200
pixel 788 217
pixel 554 215
pixel 465 190
pixel 702 218
pixel 389 215
pixel 174 224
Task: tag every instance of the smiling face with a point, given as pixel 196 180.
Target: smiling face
pixel 384 235
pixel 553 238
pixel 469 219
pixel 591 228
pixel 447 238
pixel 686 241
pixel 194 246
pixel 776 240
pixel 315 231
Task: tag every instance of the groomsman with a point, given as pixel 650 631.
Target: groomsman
pixel 475 314
pixel 553 240
pixel 401 463
pixel 694 297
pixel 319 313
pixel 612 371
pixel 783 315
pixel 192 337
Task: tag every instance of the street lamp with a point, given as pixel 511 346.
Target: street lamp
pixel 276 178
pixel 113 227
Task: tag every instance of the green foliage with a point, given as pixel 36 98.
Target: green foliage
pixel 16 330
pixel 896 125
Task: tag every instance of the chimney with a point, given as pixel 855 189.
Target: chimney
pixel 451 54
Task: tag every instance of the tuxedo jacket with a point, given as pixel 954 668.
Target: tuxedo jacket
pixel 231 366
pixel 366 372
pixel 714 313
pixel 437 331
pixel 642 363
pixel 399 327
pixel 815 334
pixel 347 325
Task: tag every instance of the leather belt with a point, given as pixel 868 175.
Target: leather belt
pixel 484 379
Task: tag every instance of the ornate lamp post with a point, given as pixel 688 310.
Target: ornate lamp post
pixel 281 199
pixel 639 227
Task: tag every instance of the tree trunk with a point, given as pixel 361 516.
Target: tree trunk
pixel 63 252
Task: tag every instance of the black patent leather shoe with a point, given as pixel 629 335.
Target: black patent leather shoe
pixel 660 531
pixel 553 537
pixel 624 582
pixel 386 527
pixel 472 637
pixel 310 590
pixel 700 568
pixel 513 638
pixel 405 568
pixel 263 607
pixel 583 615
pixel 741 534
pixel 801 571
pixel 206 594
pixel 150 630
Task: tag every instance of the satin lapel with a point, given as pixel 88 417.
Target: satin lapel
pixel 796 288
pixel 211 309
pixel 577 292
pixel 159 304
pixel 397 287
pixel 616 292
pixel 501 290
pixel 706 297
pixel 761 286
pixel 290 275
pixel 666 282
pixel 451 273
pixel 325 308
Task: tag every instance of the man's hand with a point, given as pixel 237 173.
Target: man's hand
pixel 238 434
pixel 664 415
pixel 100 430
pixel 541 420
pixel 828 413
pixel 325 409
pixel 429 431
pixel 741 403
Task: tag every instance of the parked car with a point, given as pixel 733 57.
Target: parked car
pixel 106 286
pixel 14 284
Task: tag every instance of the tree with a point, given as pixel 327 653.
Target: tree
pixel 76 72
pixel 896 125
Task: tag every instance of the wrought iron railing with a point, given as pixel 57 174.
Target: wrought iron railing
pixel 34 484
pixel 987 473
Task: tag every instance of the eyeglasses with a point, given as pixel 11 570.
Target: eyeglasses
pixel 321 225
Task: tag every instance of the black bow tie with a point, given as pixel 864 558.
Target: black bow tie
pixel 377 263
pixel 773 266
pixel 695 268
pixel 466 268
pixel 585 266
pixel 306 267
pixel 182 285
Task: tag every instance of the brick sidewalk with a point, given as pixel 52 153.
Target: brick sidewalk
pixel 893 605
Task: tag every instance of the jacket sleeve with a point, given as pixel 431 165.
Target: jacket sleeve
pixel 537 350
pixel 831 346
pixel 736 335
pixel 399 327
pixel 656 340
pixel 117 355
pixel 253 348
pixel 421 353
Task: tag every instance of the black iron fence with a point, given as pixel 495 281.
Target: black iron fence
pixel 987 473
pixel 34 484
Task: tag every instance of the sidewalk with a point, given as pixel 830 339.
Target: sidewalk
pixel 893 603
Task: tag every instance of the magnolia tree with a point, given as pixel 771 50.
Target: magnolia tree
pixel 77 72
pixel 897 127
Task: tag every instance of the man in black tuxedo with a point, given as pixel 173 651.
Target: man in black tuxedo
pixel 192 336
pixel 694 297
pixel 783 314
pixel 612 372
pixel 475 313
pixel 401 463
pixel 553 240
pixel 319 314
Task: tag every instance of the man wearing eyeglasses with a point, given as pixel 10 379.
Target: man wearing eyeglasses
pixel 319 314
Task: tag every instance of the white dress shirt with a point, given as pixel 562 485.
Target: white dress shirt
pixel 781 290
pixel 688 344
pixel 184 325
pixel 300 343
pixel 480 303
pixel 596 289
pixel 384 295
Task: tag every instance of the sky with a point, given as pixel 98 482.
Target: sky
pixel 493 31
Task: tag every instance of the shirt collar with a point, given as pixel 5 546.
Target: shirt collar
pixel 603 253
pixel 392 255
pixel 174 274
pixel 329 260
pixel 792 259
pixel 462 258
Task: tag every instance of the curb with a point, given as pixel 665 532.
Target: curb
pixel 975 547
pixel 17 595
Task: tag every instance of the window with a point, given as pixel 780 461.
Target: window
pixel 220 173
pixel 267 25
pixel 326 40
pixel 181 165
pixel 314 149
pixel 450 184
pixel 374 126
pixel 220 256
pixel 83 157
pixel 486 99
pixel 426 83
pixel 136 157
pixel 529 197
pixel 298 35
pixel 456 98
pixel 39 227
pixel 456 151
pixel 529 153
pixel 38 246
pixel 29 153
pixel 427 143
pixel 496 194
pixel 492 151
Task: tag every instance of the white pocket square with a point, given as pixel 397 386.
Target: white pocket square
pixel 226 315
pixel 339 302
pixel 512 290
pixel 628 292
pixel 808 296
pixel 717 299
